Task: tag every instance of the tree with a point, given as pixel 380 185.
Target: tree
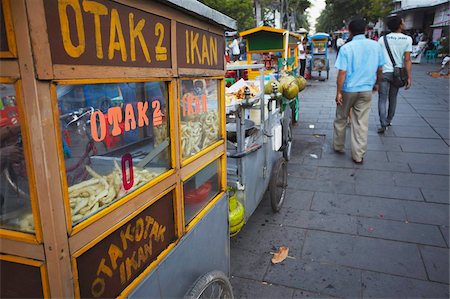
pixel 295 8
pixel 338 13
pixel 240 10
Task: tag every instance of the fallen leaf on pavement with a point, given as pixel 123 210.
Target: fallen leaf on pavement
pixel 280 255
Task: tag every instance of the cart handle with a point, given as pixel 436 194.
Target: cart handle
pixel 246 152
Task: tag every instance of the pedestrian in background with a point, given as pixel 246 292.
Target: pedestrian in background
pixel 302 56
pixel 359 65
pixel 339 43
pixel 401 47
pixel 234 48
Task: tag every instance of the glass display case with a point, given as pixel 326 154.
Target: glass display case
pixel 200 189
pixel 115 139
pixel 15 205
pixel 112 147
pixel 199 113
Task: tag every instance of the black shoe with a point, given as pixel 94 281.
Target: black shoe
pixel 381 130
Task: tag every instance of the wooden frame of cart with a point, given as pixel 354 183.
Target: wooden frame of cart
pixel 113 197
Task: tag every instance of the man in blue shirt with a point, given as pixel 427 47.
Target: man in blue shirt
pixel 360 64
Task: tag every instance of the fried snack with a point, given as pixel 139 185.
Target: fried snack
pixel 88 196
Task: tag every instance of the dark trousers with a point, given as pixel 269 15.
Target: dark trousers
pixel 387 100
pixel 302 67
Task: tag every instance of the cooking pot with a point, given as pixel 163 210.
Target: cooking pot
pixel 249 125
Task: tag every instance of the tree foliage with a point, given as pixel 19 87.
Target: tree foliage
pixel 243 11
pixel 296 8
pixel 338 13
pixel 240 10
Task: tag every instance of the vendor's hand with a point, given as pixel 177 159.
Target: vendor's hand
pixel 339 98
pixel 408 83
pixel 375 88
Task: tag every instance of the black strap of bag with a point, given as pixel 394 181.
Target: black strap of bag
pixel 389 50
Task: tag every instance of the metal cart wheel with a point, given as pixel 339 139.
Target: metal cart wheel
pixel 278 184
pixel 287 138
pixel 214 284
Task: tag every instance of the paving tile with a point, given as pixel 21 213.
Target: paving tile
pixel 445 233
pixel 320 185
pixel 400 231
pixel 321 221
pixel 417 132
pixel 438 196
pixel 438 122
pixel 306 294
pixel 414 157
pixel 364 176
pixel 380 190
pixel 436 263
pixel 264 215
pixel 427 213
pixel 419 145
pixel 250 289
pixel 298 199
pixel 443 132
pixel 335 174
pixel 412 121
pixel 379 285
pixel 301 171
pixel 316 277
pixel 358 205
pixel 247 264
pixel 257 238
pixel 434 167
pixel 385 166
pixel 431 181
pixel 430 109
pixel 365 253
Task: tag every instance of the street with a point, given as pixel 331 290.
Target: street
pixel 380 229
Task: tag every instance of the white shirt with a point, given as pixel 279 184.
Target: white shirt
pixel 399 43
pixel 235 47
pixel 300 50
pixel 340 42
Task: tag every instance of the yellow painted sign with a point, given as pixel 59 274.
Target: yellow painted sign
pixel 100 32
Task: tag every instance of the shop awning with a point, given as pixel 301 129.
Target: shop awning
pixel 421 6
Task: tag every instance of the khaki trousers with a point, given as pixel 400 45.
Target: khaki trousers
pixel 360 102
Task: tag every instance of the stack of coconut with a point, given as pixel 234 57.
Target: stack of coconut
pixel 288 86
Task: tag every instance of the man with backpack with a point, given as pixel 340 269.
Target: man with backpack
pixel 397 49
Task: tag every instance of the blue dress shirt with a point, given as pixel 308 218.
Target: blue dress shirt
pixel 360 58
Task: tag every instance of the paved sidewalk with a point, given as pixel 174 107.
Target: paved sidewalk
pixel 380 229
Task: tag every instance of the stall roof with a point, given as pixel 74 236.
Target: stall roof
pixel 268 29
pixel 206 13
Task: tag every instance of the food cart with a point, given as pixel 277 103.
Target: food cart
pixel 319 54
pixel 278 50
pixel 258 146
pixel 113 174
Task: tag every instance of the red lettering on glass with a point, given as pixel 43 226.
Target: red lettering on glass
pixel 127 183
pixel 157 115
pixel 94 129
pixel 130 121
pixel 142 108
pixel 204 107
pixel 114 118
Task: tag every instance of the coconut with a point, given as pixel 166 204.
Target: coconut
pixel 268 87
pixel 301 82
pixel 290 87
